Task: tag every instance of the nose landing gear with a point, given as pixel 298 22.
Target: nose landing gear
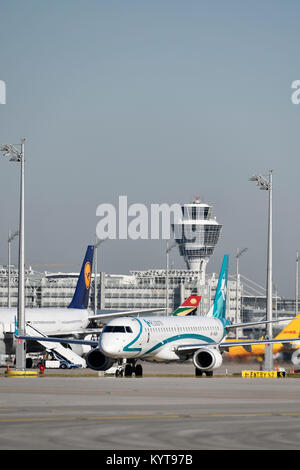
pixel 128 369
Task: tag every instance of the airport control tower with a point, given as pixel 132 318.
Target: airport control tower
pixel 196 234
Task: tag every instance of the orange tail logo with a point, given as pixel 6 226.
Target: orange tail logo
pixel 87 275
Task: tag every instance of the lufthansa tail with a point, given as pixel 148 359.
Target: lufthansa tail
pixel 81 295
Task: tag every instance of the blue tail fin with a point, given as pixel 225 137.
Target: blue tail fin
pixel 219 308
pixel 81 295
pixel 16 327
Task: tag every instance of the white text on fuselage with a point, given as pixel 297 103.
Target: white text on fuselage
pixel 153 323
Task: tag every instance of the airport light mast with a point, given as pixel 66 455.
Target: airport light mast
pixel 11 237
pixel 267 186
pixel 297 282
pixel 168 249
pixel 238 254
pixel 97 243
pixel 16 155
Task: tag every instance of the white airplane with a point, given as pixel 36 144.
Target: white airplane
pixel 127 340
pixel 73 320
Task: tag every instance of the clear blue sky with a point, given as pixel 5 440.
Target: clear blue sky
pixel 159 101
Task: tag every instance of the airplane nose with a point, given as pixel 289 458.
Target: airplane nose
pixel 104 344
pixel 108 346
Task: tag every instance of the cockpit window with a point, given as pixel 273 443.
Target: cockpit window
pixel 114 329
pixel 117 329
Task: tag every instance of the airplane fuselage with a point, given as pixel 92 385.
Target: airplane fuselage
pixel 50 321
pixel 156 338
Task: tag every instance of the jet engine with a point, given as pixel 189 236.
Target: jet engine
pixel 95 359
pixel 81 349
pixel 296 357
pixel 207 359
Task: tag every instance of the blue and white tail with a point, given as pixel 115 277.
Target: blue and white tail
pixel 81 295
pixel 219 307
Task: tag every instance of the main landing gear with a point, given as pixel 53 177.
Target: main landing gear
pixel 128 369
pixel 199 373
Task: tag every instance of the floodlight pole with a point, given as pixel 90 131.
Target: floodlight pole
pixel 269 347
pixel 11 237
pixel 21 345
pixel 267 185
pixel 97 243
pixel 238 254
pixel 167 278
pixel 18 156
pixel 297 282
pixel 8 280
pixel 168 249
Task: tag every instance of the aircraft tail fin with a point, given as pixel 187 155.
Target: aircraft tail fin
pixel 188 306
pixel 16 326
pixel 219 306
pixel 81 295
pixel 292 330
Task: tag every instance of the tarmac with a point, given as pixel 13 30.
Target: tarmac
pixel 167 409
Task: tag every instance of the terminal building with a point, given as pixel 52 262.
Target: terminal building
pixel 139 289
pixel 196 236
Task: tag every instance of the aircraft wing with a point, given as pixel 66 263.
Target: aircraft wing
pixel 124 313
pixel 230 344
pixel 189 349
pixel 49 339
pixel 261 322
pixel 40 337
pixel 85 331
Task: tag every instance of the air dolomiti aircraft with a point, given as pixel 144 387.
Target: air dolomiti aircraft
pixel 168 338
